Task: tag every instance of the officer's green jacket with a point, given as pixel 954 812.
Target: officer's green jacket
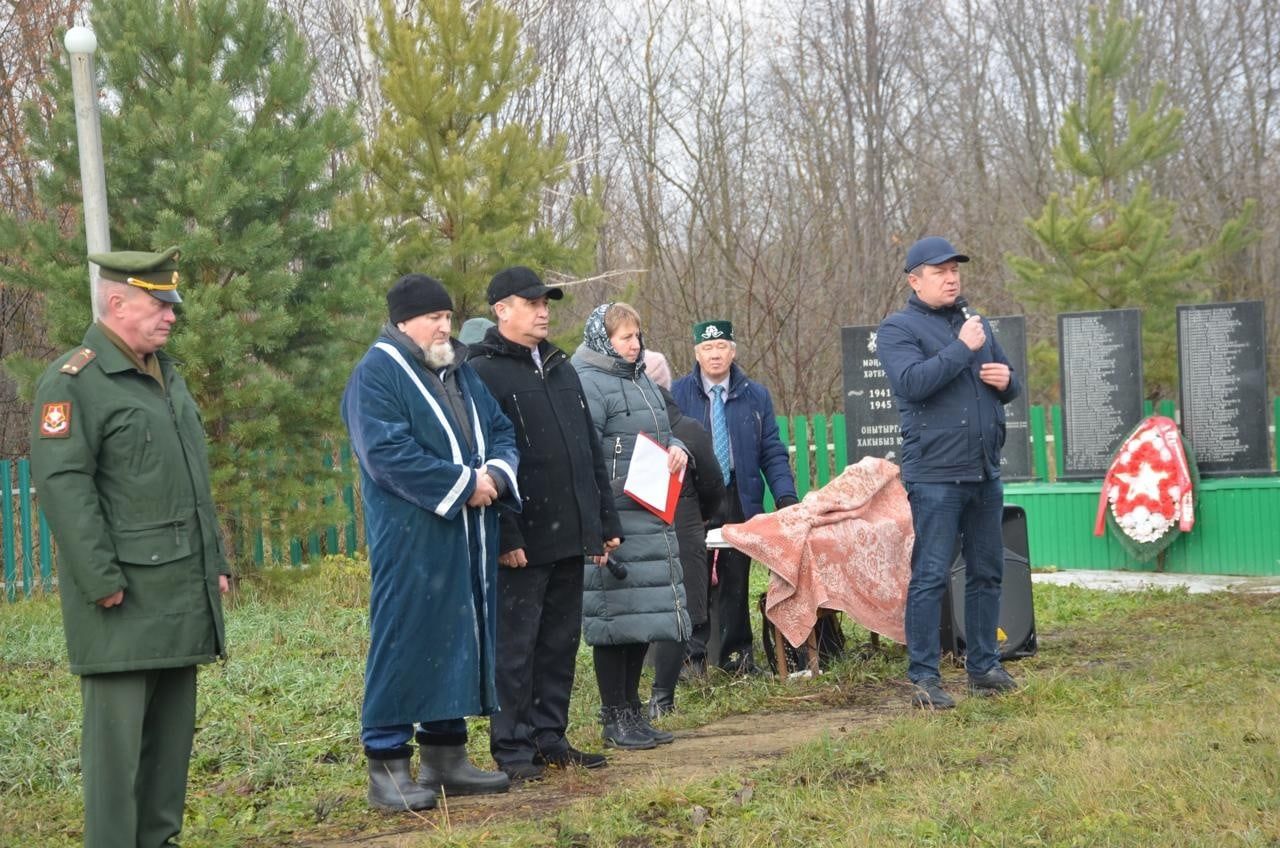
pixel 122 473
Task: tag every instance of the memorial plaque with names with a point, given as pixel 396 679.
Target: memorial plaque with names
pixel 1222 378
pixel 1100 361
pixel 1015 460
pixel 870 415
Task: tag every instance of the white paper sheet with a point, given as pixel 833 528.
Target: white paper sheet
pixel 648 479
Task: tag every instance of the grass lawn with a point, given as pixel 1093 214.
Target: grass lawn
pixel 1147 719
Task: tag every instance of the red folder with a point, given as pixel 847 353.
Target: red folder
pixel 649 483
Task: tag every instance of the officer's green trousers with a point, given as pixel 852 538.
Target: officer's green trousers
pixel 135 749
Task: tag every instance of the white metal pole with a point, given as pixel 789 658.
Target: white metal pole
pixel 81 44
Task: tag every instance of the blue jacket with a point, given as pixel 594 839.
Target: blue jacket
pixel 433 559
pixel 754 441
pixel 952 422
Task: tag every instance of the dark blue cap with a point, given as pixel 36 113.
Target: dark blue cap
pixel 932 250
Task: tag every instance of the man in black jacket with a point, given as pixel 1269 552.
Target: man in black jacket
pixel 568 515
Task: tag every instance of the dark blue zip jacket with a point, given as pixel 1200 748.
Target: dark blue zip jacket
pixel 952 422
pixel 753 435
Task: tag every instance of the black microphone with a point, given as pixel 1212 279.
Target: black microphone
pixel 617 569
pixel 962 303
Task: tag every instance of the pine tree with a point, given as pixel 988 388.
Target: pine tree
pixel 211 144
pixel 459 191
pixel 1110 242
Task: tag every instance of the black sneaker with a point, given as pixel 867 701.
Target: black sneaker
pixel 524 772
pixel 928 694
pixel 994 682
pixel 571 757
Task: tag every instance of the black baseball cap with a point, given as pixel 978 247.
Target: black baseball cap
pixel 522 282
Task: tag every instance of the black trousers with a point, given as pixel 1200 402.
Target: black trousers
pixel 733 569
pixel 618 671
pixel 539 625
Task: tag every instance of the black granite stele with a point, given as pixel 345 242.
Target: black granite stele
pixel 1100 363
pixel 870 415
pixel 1222 381
pixel 1015 460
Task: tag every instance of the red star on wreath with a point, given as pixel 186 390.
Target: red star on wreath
pixel 1148 493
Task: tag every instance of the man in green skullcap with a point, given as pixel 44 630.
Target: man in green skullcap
pixel 121 469
pixel 738 413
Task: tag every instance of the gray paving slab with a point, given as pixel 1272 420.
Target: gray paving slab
pixel 1133 581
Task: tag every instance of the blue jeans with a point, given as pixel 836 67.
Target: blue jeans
pixel 395 739
pixel 942 513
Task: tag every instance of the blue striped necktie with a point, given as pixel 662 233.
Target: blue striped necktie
pixel 720 432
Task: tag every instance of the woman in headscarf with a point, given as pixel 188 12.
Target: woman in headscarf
pixel 624 612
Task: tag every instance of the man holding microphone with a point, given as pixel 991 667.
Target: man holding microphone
pixel 950 381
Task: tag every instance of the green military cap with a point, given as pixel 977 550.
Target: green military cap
pixel 713 331
pixel 156 273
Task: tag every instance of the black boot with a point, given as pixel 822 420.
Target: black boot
pixel 446 770
pixel 668 657
pixel 620 731
pixel 641 720
pixel 661 702
pixel 392 789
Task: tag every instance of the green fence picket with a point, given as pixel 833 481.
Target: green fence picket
pixel 6 530
pixel 821 450
pixel 838 440
pixel 259 547
pixel 1039 453
pixel 349 498
pixel 804 469
pixel 24 514
pixel 46 552
pixel 330 532
pixel 784 430
pixel 1056 413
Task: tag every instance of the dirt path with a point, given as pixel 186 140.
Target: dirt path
pixel 739 742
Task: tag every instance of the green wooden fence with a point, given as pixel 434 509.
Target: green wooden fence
pixel 817 445
pixel 28 552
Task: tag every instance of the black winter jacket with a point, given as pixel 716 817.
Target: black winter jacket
pixel 568 507
pixel 952 423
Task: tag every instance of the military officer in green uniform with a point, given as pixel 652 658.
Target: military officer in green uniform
pixel 121 469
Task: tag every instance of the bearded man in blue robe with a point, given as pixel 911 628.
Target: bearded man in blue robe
pixel 437 459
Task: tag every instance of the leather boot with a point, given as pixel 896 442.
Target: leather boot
pixel 619 731
pixel 641 721
pixel 392 789
pixel 446 770
pixel 661 702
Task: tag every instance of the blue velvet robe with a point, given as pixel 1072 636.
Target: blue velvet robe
pixel 433 559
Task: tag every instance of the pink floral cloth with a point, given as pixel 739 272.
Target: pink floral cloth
pixel 846 547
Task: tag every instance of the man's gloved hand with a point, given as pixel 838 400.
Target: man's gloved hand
pixel 786 501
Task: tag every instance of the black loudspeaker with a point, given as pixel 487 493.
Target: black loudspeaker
pixel 1017 609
